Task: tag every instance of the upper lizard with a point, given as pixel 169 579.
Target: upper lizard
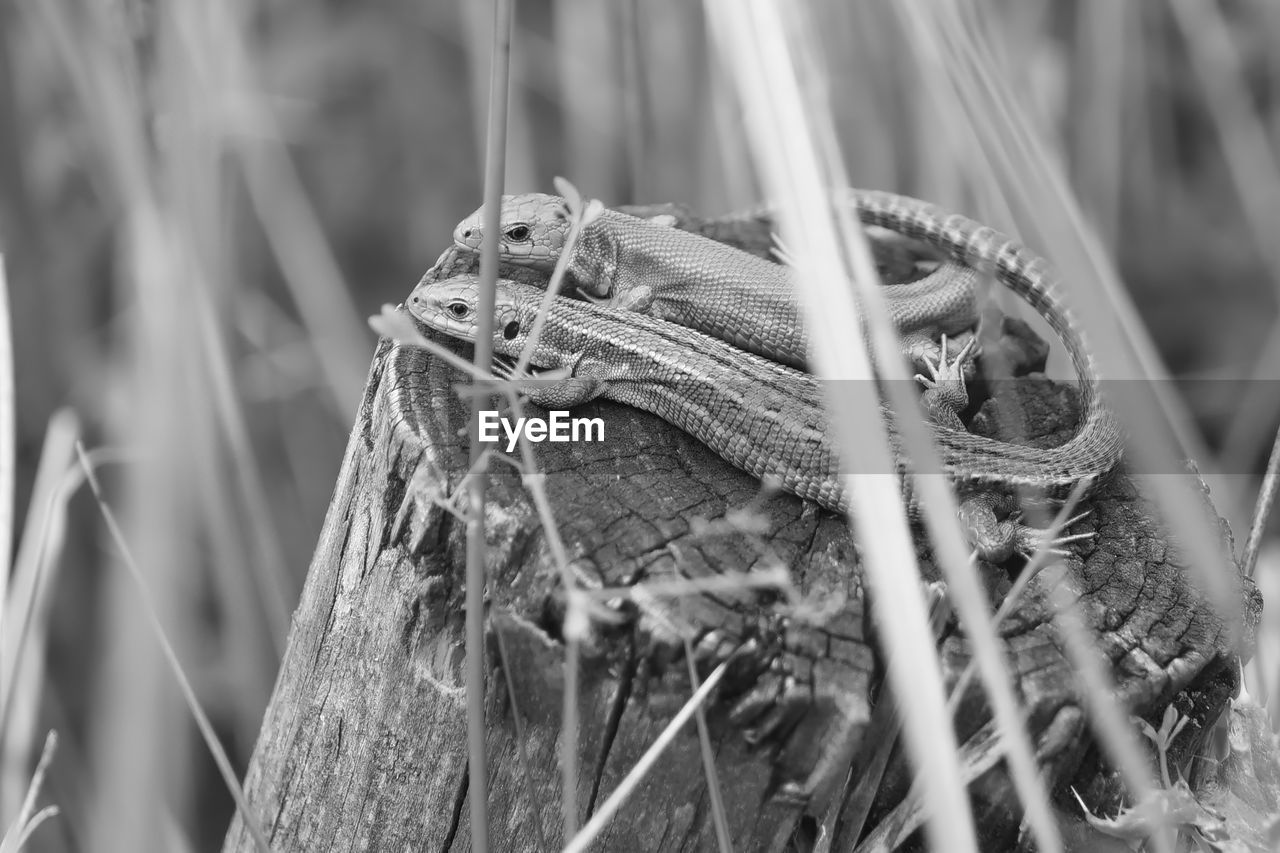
pixel 647 266
pixel 763 417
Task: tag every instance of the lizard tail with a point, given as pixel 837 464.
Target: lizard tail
pixel 1096 447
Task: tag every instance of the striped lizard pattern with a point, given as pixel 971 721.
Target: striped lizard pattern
pixel 763 417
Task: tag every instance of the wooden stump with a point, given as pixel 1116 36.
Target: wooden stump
pixel 364 744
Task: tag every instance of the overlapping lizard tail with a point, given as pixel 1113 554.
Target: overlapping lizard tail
pixel 1097 444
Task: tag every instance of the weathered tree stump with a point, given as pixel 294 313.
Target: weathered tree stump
pixel 364 744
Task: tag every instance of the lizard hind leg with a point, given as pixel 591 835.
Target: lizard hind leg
pixel 923 347
pixel 945 395
pixel 995 539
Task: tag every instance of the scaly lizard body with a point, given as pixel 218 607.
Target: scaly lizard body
pixel 647 266
pixel 740 298
pixel 764 418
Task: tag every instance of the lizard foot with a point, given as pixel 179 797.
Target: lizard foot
pixel 550 389
pixel 1028 540
pixel 945 395
pixel 638 299
pixel 996 540
pixel 923 348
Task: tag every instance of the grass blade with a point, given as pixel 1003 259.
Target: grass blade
pixel 494 170
pixel 229 776
pixel 581 841
pixel 752 40
pixel 7 443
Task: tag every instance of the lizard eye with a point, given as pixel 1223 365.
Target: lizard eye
pixel 518 233
pixel 510 330
pixel 457 309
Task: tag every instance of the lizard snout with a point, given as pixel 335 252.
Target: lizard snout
pixel 417 305
pixel 466 235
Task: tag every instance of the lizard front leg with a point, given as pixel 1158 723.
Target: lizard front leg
pixel 564 393
pixel 594 266
pixel 600 273
pixel 639 299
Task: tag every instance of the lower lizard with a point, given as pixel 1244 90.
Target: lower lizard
pixel 765 418
pixel 645 265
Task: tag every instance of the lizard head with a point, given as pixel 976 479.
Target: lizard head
pixel 451 307
pixel 533 229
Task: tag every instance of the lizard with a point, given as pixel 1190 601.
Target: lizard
pixel 763 417
pixel 645 265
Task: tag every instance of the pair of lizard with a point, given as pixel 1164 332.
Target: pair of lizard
pixel 710 376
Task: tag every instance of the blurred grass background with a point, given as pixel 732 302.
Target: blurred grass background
pixel 200 203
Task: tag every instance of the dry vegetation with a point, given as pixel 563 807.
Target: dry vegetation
pixel 201 202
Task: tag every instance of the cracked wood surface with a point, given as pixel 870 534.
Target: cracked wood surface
pixel 363 746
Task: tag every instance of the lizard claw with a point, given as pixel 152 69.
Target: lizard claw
pixel 1028 540
pixel 780 251
pixel 1079 516
pixel 586 296
pixel 943 371
pixel 503 367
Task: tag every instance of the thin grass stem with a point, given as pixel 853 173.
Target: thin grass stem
pixel 42 539
pixel 494 171
pixel 28 819
pixel 8 407
pixel 1249 560
pixel 219 755
pixel 719 818
pixel 1262 511
pixel 635 776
